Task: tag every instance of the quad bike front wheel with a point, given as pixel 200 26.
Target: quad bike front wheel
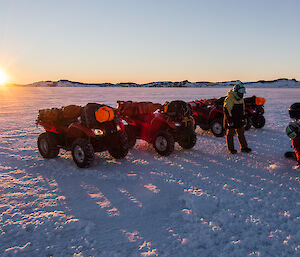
pixel 163 143
pixel 82 153
pixel 258 121
pixel 216 127
pixel 47 145
pixel 131 134
pixel 188 139
pixel 120 150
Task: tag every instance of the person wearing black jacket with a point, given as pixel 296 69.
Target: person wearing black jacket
pixel 234 118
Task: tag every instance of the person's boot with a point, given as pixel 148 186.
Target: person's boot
pixel 246 150
pixel 291 155
pixel 297 167
pixel 232 151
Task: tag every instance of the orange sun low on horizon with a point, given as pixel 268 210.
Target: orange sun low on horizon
pixel 3 78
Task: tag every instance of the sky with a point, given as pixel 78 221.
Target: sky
pixel 143 41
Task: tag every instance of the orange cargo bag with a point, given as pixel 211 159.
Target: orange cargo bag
pixel 260 100
pixel 104 113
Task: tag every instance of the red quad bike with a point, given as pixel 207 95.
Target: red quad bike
pixel 82 134
pixel 159 125
pixel 254 108
pixel 208 115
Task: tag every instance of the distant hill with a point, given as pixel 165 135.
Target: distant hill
pixel 278 83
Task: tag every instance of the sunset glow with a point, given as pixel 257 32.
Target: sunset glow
pixel 3 77
pixel 230 40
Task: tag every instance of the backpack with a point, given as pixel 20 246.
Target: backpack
pixel 93 114
pixel 293 130
pixel 250 101
pixel 178 109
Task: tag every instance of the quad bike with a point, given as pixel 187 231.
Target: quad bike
pixel 208 115
pixel 254 109
pixel 160 125
pixel 80 136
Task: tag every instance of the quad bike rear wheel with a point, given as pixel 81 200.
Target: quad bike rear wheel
pixel 47 145
pixel 258 121
pixel 163 143
pixel 120 150
pixel 188 139
pixel 216 127
pixel 82 153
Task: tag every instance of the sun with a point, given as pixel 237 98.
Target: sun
pixel 3 77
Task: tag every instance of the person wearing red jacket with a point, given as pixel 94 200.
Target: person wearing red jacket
pixel 293 132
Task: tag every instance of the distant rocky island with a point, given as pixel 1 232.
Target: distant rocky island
pixel 278 83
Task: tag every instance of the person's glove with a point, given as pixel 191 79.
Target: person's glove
pixel 230 122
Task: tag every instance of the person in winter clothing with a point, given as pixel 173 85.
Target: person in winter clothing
pixel 293 132
pixel 234 118
pixel 296 146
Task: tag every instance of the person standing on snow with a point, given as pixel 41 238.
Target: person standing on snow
pixel 293 132
pixel 234 118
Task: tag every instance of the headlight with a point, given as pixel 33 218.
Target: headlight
pixel 177 124
pixel 98 132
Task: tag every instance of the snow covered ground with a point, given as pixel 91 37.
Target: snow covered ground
pixel 198 202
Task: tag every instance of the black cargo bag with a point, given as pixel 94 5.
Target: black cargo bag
pixel 178 109
pixel 88 117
